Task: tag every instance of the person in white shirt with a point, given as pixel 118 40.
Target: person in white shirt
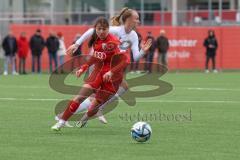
pixel 61 50
pixel 123 27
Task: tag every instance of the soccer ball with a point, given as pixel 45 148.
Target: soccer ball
pixel 141 132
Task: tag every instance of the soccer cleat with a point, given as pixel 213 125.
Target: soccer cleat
pixel 5 73
pixel 14 73
pixel 67 124
pixel 81 124
pixel 215 71
pixel 101 117
pixel 58 126
pixel 57 118
pixel 206 71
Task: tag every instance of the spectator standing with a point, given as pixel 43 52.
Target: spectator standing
pixel 162 45
pixel 149 57
pixel 36 45
pixel 211 46
pixel 9 45
pixel 23 48
pixel 61 50
pixel 52 45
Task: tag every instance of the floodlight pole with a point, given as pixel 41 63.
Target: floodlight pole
pixel 238 7
pixel 142 12
pixel 174 12
pixel 52 11
pixel 162 12
pixel 210 10
pixel 111 8
pixel 220 9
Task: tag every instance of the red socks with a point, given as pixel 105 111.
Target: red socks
pixel 72 107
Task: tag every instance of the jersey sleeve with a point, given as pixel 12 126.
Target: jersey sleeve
pixel 135 50
pixel 121 61
pixel 85 36
pixel 114 30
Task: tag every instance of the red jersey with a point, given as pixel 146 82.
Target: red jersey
pixel 106 57
pixel 105 49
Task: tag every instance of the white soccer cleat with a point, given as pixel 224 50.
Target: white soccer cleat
pixel 67 124
pixel 215 71
pixel 57 118
pixel 5 73
pixel 206 71
pixel 58 126
pixel 101 117
pixel 15 73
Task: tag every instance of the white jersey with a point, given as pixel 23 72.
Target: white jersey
pixel 127 40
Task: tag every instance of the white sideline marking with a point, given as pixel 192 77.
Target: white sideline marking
pixel 214 89
pixel 22 86
pixel 144 101
pixel 187 88
pixel 30 99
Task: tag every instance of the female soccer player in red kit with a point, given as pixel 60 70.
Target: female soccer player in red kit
pixel 106 76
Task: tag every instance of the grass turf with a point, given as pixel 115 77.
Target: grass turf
pixel 212 132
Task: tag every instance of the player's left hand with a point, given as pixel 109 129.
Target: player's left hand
pixel 81 70
pixel 147 45
pixel 107 76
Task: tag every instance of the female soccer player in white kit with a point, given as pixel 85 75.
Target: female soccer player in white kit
pixel 123 27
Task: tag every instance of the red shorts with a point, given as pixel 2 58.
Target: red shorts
pixel 104 89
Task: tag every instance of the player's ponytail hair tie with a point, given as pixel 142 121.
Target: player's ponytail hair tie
pixel 116 20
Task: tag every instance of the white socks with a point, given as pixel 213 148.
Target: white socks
pixel 83 106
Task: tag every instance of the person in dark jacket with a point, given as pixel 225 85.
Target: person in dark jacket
pixel 9 45
pixel 162 45
pixel 210 43
pixel 150 55
pixel 52 45
pixel 36 45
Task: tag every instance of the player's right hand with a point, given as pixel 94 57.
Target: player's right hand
pixel 79 72
pixel 71 49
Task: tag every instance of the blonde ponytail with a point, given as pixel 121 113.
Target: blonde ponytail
pixel 115 21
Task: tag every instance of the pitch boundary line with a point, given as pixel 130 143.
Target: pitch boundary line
pixel 187 88
pixel 138 100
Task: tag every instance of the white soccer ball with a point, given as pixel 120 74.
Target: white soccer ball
pixel 141 132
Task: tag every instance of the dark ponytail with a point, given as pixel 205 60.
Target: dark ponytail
pixel 93 39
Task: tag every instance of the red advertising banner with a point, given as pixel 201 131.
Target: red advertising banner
pixel 186 43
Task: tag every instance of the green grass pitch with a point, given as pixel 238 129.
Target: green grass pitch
pixel 202 115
